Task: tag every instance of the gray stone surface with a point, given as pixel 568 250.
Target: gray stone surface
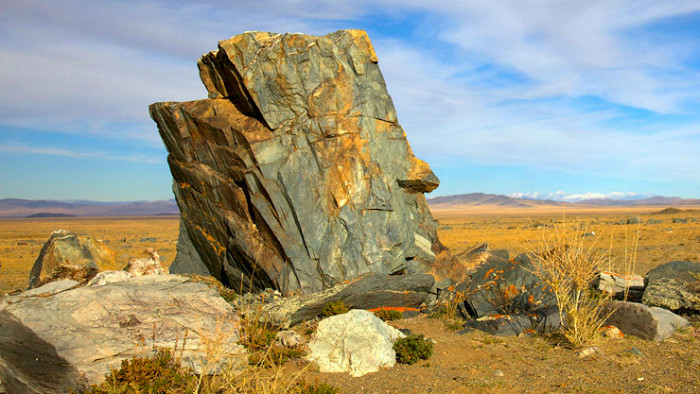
pixel 187 260
pixel 295 174
pixel 620 285
pixel 356 342
pixel 368 292
pixel 29 364
pixel 650 323
pixel 93 328
pixel 672 286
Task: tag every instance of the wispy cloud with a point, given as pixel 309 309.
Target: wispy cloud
pixel 94 155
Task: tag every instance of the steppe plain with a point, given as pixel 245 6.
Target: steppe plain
pixel 474 362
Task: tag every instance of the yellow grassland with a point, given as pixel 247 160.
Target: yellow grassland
pixel 460 228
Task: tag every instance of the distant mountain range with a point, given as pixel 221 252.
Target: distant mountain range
pixel 481 199
pixel 18 208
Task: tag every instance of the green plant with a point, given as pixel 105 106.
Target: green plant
pixel 274 355
pixel 455 325
pixel 334 308
pixel 160 373
pixel 256 332
pixel 388 314
pixel 412 348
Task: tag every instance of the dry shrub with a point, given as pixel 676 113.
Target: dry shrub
pixel 567 266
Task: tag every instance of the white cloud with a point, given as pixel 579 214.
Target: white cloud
pixel 100 155
pixel 576 197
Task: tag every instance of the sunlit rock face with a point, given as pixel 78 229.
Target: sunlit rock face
pixel 295 173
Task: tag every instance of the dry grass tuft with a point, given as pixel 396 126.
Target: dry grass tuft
pixel 567 263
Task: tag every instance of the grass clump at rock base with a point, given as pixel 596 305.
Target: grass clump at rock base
pixel 412 348
pixel 161 373
pixel 334 308
pixel 388 314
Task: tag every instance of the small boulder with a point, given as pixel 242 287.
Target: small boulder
pixel 357 342
pixel 67 256
pixel 642 321
pixel 619 285
pixel 146 266
pixel 674 286
pixel 290 339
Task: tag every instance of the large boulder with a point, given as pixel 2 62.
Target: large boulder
pixel 295 173
pixel 674 286
pixel 357 342
pixel 650 323
pixel 94 327
pixel 67 256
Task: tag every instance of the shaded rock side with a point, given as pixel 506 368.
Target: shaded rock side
pixel 29 364
pixel 674 286
pixel 357 342
pixel 187 260
pixel 67 256
pixel 93 328
pixel 295 174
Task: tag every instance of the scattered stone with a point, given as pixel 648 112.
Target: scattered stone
pixel 619 285
pixel 356 342
pixel 634 220
pixel 654 221
pixel 67 256
pixel 499 374
pixel 369 292
pixel 679 220
pixel 588 234
pixel 612 332
pixel 634 350
pixel 93 328
pixel 588 352
pixel 147 239
pixel 642 321
pixel 290 339
pixel 295 174
pixel 149 266
pixel 673 286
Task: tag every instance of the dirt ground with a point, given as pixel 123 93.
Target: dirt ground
pixel 461 363
pixel 470 363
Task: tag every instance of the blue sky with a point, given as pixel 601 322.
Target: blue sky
pixel 498 96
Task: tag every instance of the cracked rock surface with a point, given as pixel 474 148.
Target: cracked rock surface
pixel 295 173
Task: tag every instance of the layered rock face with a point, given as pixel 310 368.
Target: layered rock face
pixel 295 173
